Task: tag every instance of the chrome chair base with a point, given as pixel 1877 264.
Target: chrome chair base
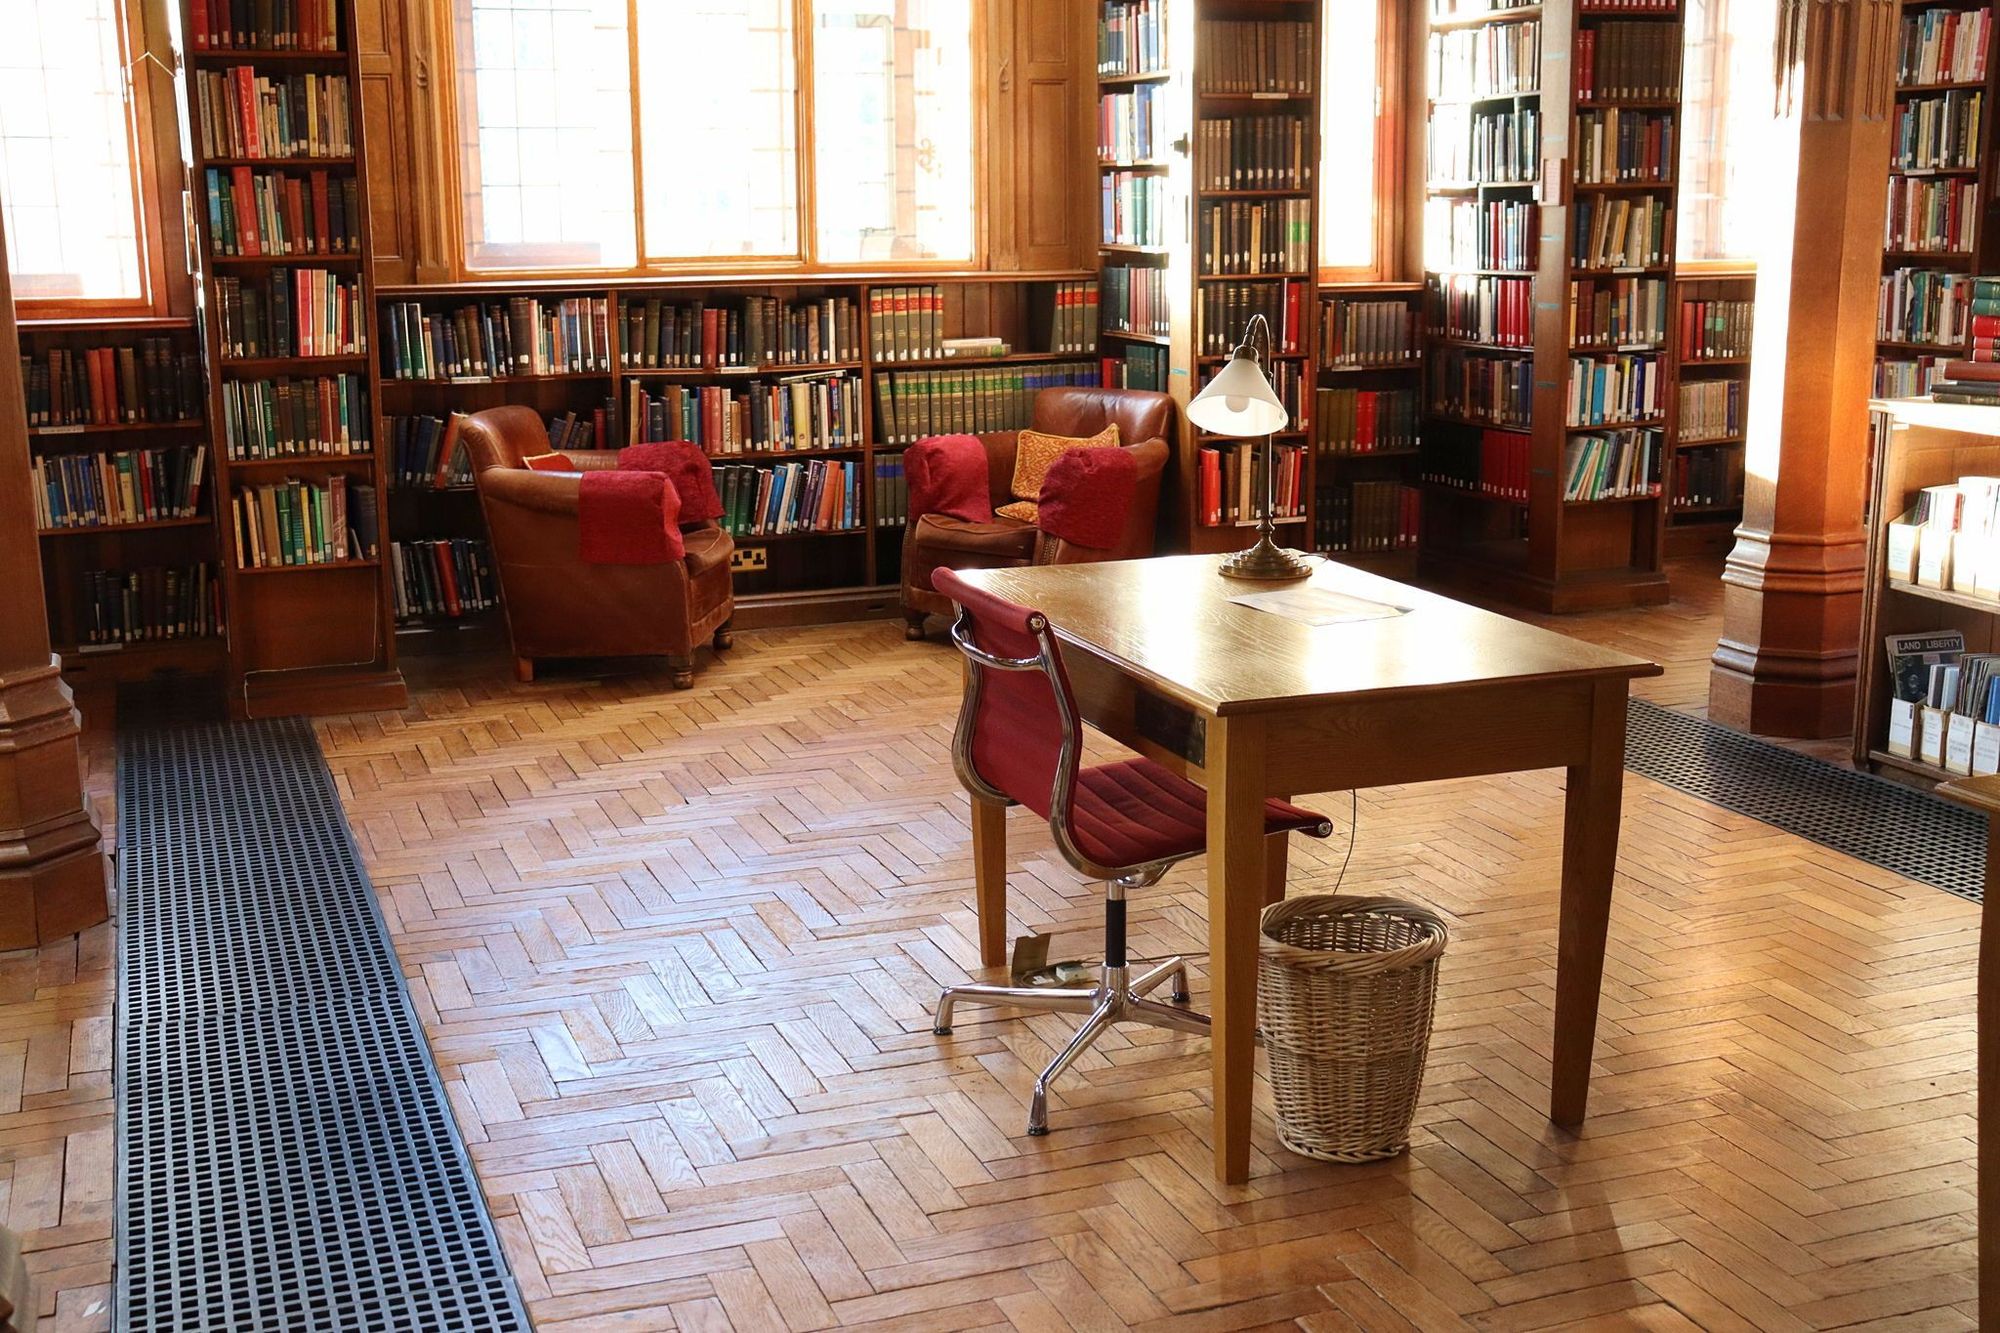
pixel 1117 997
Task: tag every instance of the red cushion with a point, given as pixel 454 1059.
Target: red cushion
pixel 627 518
pixel 1087 497
pixel 1127 814
pixel 687 467
pixel 947 475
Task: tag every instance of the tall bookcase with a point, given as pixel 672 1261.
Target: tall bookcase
pixel 1704 479
pixel 1208 149
pixel 120 404
pixel 1366 423
pixel 1553 131
pixel 314 634
pixel 891 346
pixel 1941 184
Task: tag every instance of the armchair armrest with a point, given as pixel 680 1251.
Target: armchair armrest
pixel 594 460
pixel 553 493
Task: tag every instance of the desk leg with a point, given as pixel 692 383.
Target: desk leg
pixel 1277 865
pixel 1590 856
pixel 1987 1018
pixel 1236 883
pixel 989 878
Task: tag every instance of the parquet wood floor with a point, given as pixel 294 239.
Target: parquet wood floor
pixel 676 952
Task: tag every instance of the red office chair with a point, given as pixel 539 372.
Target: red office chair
pixel 1126 823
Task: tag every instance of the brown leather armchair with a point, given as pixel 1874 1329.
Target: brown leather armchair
pixel 556 604
pixel 939 541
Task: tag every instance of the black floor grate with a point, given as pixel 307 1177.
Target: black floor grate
pixel 1910 832
pixel 286 1156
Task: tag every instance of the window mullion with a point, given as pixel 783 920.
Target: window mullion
pixel 805 157
pixel 641 254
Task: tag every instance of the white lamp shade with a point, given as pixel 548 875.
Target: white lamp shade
pixel 1239 403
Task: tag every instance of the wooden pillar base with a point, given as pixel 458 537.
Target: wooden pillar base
pixel 1788 655
pixel 52 870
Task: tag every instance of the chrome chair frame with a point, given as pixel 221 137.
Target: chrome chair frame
pixel 1118 996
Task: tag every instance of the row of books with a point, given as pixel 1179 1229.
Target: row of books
pixel 570 430
pixel 1920 305
pixel 289 418
pixel 1129 38
pixel 148 381
pixel 1707 479
pixel 781 416
pixel 1368 333
pixel 822 495
pixel 1938 131
pixel 1498 312
pixel 1070 324
pixel 1243 237
pixel 1621 313
pixel 148 605
pixel 1367 517
pixel 1715 329
pixel 1496 60
pixel 244 114
pixel 1931 215
pixel 1489 390
pixel 1613 389
pixel 1133 209
pixel 111 488
pixel 1615 145
pixel 1226 309
pixel 294 522
pixel 1942 706
pixel 1628 61
pixel 1232 482
pixel 1615 465
pixel 418 458
pixel 1903 377
pixel 443 578
pixel 265 25
pixel 1135 300
pixel 892 492
pixel 1945 46
pixel 1136 367
pixel 1128 124
pixel 658 334
pixel 1494 462
pixel 1253 153
pixel 522 335
pixel 1469 147
pixel 1254 56
pixel 913 404
pixel 253 213
pixel 1365 421
pixel 1962 381
pixel 1458 9
pixel 1592 7
pixel 291 313
pixel 1623 231
pixel 1490 234
pixel 1710 410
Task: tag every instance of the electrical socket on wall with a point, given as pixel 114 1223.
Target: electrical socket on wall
pixel 748 558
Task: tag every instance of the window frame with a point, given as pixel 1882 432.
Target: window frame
pixel 452 16
pixel 1391 125
pixel 151 102
pixel 1723 266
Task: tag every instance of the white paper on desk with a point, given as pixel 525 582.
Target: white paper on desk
pixel 1317 606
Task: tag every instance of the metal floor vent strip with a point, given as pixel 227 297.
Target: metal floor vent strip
pixel 286 1155
pixel 1898 828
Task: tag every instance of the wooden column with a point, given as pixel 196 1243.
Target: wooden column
pixel 52 873
pixel 1792 594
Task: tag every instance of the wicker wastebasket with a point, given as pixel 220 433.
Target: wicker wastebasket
pixel 1345 991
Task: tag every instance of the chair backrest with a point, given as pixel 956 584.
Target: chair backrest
pixel 1141 414
pixel 1018 735
pixel 502 437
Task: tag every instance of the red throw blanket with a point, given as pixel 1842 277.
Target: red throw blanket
pixel 627 518
pixel 947 475
pixel 687 469
pixel 1087 498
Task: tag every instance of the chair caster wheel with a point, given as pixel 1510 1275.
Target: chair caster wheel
pixel 940 1032
pixel 1180 997
pixel 1038 1131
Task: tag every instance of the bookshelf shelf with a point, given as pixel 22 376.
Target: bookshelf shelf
pixel 1945 596
pixel 285 261
pixel 302 460
pixel 1149 339
pixel 299 365
pixel 1711 397
pixel 1335 457
pixel 252 55
pixel 1468 494
pixel 1129 80
pixel 108 529
pixel 58 434
pixel 1518 14
pixel 1374 368
pixel 392 382
pixel 282 163
pixel 323 567
pixel 1714 442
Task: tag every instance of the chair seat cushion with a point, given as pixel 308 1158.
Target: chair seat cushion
pixel 1127 814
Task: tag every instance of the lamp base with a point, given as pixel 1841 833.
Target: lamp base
pixel 1266 562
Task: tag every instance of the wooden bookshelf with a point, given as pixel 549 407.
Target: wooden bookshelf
pixel 1510 340
pixel 1365 503
pixel 311 638
pixel 1906 366
pixel 160 406
pixel 781 578
pixel 1705 474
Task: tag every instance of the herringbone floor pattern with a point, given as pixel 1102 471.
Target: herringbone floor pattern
pixel 676 953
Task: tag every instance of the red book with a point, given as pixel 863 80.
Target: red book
pixel 245 80
pixel 447 578
pixel 1211 487
pixel 1364 421
pixel 1986 326
pixel 199 22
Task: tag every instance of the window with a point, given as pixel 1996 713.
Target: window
pixel 69 183
pixel 1355 186
pixel 551 93
pixel 1727 111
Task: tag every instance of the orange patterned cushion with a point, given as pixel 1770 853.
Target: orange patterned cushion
pixel 1034 452
pixel 1024 511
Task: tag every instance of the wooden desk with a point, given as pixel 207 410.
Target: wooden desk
pixel 1250 705
pixel 1983 795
